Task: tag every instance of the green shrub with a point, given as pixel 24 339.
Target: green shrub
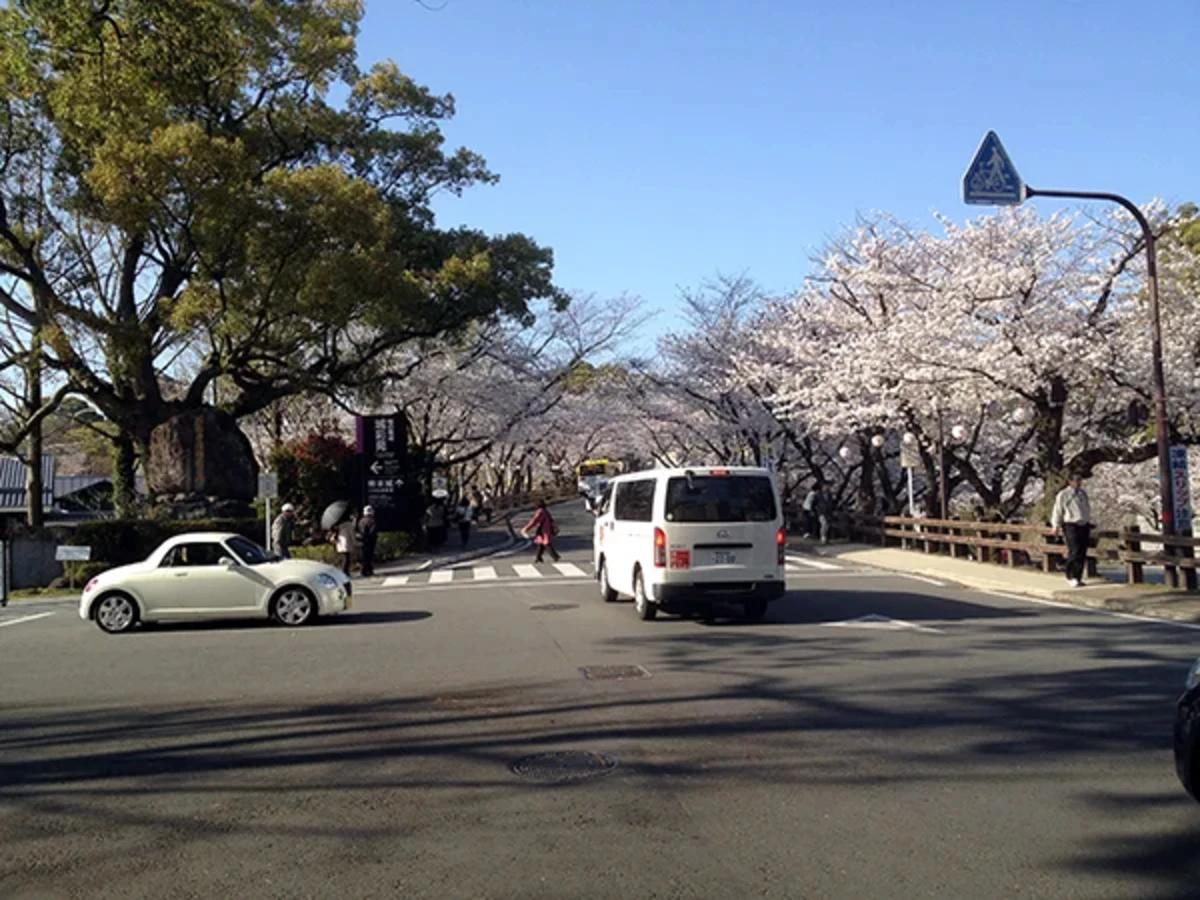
pixel 119 542
pixel 322 553
pixel 392 545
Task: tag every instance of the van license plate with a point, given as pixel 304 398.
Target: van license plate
pixel 724 558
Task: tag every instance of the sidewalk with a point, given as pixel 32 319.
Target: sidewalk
pixel 1142 600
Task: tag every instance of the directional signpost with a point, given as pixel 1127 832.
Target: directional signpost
pixel 383 449
pixel 992 180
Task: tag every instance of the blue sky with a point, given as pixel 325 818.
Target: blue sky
pixel 653 144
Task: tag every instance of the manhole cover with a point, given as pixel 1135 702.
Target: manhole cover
pixel 564 765
pixel 555 607
pixel 602 673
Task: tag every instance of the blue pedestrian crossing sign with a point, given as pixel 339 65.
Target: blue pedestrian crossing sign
pixel 992 179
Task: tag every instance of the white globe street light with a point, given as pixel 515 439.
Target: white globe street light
pixel 877 441
pixel 909 438
pixel 844 453
pixel 1020 415
pixel 958 432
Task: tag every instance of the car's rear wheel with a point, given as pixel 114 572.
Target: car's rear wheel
pixel 606 589
pixel 115 613
pixel 647 609
pixel 754 610
pixel 293 607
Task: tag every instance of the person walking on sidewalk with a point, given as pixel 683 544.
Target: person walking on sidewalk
pixel 283 531
pixel 368 533
pixel 344 537
pixel 466 517
pixel 817 508
pixel 1073 516
pixel 543 528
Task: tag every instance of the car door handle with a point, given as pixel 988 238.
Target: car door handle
pixel 181 574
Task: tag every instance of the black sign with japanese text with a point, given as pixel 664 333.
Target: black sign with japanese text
pixel 383 466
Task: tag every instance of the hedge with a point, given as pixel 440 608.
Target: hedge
pixel 122 541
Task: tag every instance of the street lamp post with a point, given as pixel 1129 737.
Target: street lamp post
pixel 1166 498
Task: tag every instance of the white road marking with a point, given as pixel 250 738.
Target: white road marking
pixel 527 571
pixel 1191 626
pixel 570 570
pixel 881 623
pixel 395 581
pixel 484 573
pixel 441 576
pixel 924 580
pixel 25 619
pixel 812 563
pixel 473 586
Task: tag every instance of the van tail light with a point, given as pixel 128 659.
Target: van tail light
pixel 780 545
pixel 660 549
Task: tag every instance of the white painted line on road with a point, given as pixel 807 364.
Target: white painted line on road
pixel 527 571
pixel 484 573
pixel 1191 626
pixel 924 580
pixel 512 583
pixel 571 570
pixel 25 619
pixel 395 581
pixel 812 563
pixel 441 576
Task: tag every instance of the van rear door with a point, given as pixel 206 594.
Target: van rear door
pixel 723 526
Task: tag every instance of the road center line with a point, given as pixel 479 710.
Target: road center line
pixel 25 619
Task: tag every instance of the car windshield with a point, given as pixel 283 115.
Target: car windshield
pixel 248 551
pixel 726 498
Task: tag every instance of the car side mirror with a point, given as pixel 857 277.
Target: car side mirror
pixel 226 562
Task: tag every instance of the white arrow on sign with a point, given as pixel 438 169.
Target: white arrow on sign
pixel 882 623
pixel 376 467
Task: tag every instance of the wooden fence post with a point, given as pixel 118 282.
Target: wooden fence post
pixel 1135 570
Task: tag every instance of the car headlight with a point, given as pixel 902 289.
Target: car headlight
pixel 327 581
pixel 1193 677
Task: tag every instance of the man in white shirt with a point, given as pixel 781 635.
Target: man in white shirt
pixel 1073 516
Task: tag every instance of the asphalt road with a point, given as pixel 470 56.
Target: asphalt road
pixel 952 744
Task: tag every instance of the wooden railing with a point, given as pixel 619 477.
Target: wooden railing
pixel 1021 544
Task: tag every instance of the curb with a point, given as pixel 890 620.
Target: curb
pixel 1155 607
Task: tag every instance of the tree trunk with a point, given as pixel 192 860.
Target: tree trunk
pixel 34 485
pixel 124 477
pixel 34 508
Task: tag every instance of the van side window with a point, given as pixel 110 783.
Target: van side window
pixel 635 500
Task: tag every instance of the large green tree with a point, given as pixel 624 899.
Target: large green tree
pixel 204 191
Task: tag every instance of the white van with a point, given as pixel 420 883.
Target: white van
pixel 678 538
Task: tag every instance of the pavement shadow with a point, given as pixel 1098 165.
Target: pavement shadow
pixel 342 620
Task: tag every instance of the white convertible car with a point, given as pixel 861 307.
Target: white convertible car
pixel 214 576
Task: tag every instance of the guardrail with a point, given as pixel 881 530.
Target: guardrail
pixel 1021 544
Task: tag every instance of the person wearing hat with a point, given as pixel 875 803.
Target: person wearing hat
pixel 368 533
pixel 282 530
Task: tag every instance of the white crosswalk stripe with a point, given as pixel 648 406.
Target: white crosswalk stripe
pixel 527 571
pixel 441 576
pixel 395 581
pixel 570 570
pixel 484 573
pixel 794 561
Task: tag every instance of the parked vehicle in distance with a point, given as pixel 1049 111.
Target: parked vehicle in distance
pixel 676 539
pixel 1187 733
pixel 214 576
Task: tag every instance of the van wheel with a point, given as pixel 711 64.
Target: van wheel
pixel 646 608
pixel 754 610
pixel 606 591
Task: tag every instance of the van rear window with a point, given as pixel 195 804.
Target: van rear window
pixel 736 498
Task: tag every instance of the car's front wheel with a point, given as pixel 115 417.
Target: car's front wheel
pixel 115 613
pixel 293 607
pixel 606 589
